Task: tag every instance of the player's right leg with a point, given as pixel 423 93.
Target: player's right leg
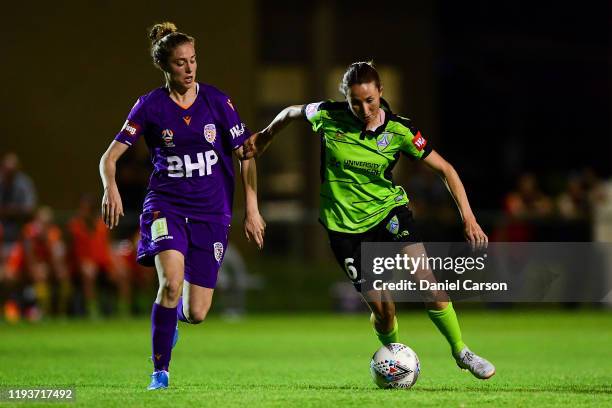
pixel 383 317
pixel 170 265
pixel 347 250
pixel 163 244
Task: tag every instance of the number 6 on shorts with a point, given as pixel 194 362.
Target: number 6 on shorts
pixel 350 269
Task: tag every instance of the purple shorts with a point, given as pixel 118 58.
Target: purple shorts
pixel 201 243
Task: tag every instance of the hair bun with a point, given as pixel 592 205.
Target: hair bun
pixel 159 31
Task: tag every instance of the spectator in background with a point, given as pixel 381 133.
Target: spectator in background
pixel 37 264
pixel 141 278
pixel 521 206
pixel 594 188
pixel 574 203
pixel 528 201
pixel 91 257
pixel 17 199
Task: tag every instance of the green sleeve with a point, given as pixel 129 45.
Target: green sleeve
pixel 413 143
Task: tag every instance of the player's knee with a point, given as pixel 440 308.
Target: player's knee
pixel 171 289
pixel 197 315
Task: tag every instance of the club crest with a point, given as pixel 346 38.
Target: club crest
pixel 210 132
pixel 393 225
pixel 383 141
pixel 218 249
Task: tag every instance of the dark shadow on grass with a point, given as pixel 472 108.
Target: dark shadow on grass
pixel 569 389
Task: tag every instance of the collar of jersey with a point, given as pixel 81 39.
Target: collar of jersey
pixel 384 105
pixel 183 108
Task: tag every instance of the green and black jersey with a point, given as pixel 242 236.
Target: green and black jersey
pixel 357 189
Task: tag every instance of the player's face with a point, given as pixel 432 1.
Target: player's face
pixel 364 101
pixel 182 66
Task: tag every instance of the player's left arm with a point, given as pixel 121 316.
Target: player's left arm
pixel 254 224
pixel 473 233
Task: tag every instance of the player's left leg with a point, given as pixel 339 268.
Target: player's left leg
pixel 195 303
pixel 442 313
pixel 208 242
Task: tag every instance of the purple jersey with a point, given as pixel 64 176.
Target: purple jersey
pixel 191 151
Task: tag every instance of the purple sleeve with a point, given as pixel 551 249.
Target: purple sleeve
pixel 134 125
pixel 235 130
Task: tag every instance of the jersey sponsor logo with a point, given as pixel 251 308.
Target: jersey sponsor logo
pixel 187 120
pixel 210 132
pixel 364 167
pixel 419 141
pixel 130 128
pixel 229 103
pixel 218 251
pixel 311 109
pixel 184 167
pixel 383 141
pixel 237 130
pixel 168 137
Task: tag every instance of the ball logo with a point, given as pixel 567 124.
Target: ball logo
pixel 218 250
pixel 210 132
pixel 168 137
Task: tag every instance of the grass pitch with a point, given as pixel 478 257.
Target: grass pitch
pixel 542 359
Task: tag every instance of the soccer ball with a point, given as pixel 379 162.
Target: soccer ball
pixel 395 366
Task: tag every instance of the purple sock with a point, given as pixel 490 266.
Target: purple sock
pixel 179 311
pixel 163 325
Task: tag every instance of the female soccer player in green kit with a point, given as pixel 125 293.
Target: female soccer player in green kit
pixel 362 140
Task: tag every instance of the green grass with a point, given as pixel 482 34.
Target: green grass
pixel 542 358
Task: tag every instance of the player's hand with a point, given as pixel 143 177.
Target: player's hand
pixel 254 228
pixel 255 145
pixel 474 234
pixel 112 208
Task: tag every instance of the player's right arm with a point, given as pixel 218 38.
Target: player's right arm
pixel 112 207
pixel 259 142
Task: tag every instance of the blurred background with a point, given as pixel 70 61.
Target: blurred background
pixel 516 95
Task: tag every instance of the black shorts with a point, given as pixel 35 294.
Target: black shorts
pixel 397 226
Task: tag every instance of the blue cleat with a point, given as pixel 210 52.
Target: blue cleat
pixel 159 380
pixel 176 336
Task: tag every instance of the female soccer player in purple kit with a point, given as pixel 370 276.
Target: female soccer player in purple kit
pixel 191 130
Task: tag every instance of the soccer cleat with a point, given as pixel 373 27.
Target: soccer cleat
pixel 159 380
pixel 176 336
pixel 477 365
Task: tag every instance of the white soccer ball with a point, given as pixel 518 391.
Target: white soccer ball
pixel 395 366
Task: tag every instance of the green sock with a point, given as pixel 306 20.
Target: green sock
pixel 446 321
pixel 387 338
